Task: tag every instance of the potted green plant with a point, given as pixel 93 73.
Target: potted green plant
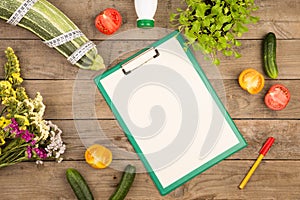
pixel 213 26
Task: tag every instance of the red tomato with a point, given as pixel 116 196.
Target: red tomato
pixel 277 97
pixel 108 21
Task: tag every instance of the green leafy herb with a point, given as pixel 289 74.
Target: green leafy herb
pixel 214 25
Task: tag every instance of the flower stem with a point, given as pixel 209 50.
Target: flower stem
pixel 9 158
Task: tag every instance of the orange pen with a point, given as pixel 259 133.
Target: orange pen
pixel 262 154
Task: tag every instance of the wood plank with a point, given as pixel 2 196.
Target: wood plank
pixel 272 180
pixel 252 57
pixel 40 62
pixel 80 133
pixel 278 16
pixel 67 99
pixel 240 104
pixel 63 85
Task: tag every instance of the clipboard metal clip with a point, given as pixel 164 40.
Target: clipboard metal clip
pixel 139 60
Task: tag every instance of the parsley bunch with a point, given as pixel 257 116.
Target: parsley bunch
pixel 213 25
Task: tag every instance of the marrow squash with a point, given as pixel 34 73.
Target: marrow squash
pixel 47 22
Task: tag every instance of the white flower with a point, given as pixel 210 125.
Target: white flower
pixel 59 160
pixel 56 147
pixel 29 105
pixel 39 106
pixel 39 162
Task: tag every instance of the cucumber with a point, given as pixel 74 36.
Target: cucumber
pixel 79 185
pixel 269 51
pixel 47 22
pixel 125 183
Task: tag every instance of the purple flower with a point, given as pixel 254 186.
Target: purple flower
pixel 14 124
pixel 24 134
pixel 29 151
pixel 27 136
pixel 14 128
pixel 33 142
pixel 40 152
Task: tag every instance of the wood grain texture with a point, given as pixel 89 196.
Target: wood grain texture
pixel 271 181
pixel 65 101
pixel 76 106
pixel 40 62
pixel 284 23
pixel 255 132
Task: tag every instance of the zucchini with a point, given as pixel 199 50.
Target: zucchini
pixel 125 183
pixel 269 51
pixel 78 184
pixel 47 22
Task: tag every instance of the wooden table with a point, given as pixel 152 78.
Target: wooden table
pixel 45 70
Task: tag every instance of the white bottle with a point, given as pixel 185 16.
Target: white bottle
pixel 145 10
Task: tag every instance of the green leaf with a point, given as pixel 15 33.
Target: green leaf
pixel 197 46
pixel 242 10
pixel 173 17
pixel 229 36
pixel 213 27
pixel 254 19
pixel 207 49
pixel 227 27
pixel 183 20
pixel 228 52
pixel 224 19
pixel 237 43
pixel 196 27
pixel 206 22
pixel 190 35
pixel 219 47
pixel 237 55
pixel 226 10
pixel 212 41
pixel 217 34
pixel 222 40
pixel 255 8
pixel 179 10
pixel 206 58
pixel 203 38
pixel 201 9
pixel 216 61
pixel 216 10
pixel 219 26
pixel 222 43
pixel 240 28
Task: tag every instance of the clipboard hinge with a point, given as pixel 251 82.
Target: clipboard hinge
pixel 139 60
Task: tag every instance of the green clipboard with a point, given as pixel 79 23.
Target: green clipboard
pixel 169 112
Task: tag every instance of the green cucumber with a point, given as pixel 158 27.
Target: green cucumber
pixel 269 51
pixel 79 185
pixel 47 22
pixel 125 183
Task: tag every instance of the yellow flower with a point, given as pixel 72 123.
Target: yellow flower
pixel 23 121
pixel 4 122
pixel 21 94
pixel 15 78
pixel 5 88
pixel 5 84
pixel 2 141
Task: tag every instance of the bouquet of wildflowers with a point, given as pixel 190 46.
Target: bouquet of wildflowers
pixel 24 134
